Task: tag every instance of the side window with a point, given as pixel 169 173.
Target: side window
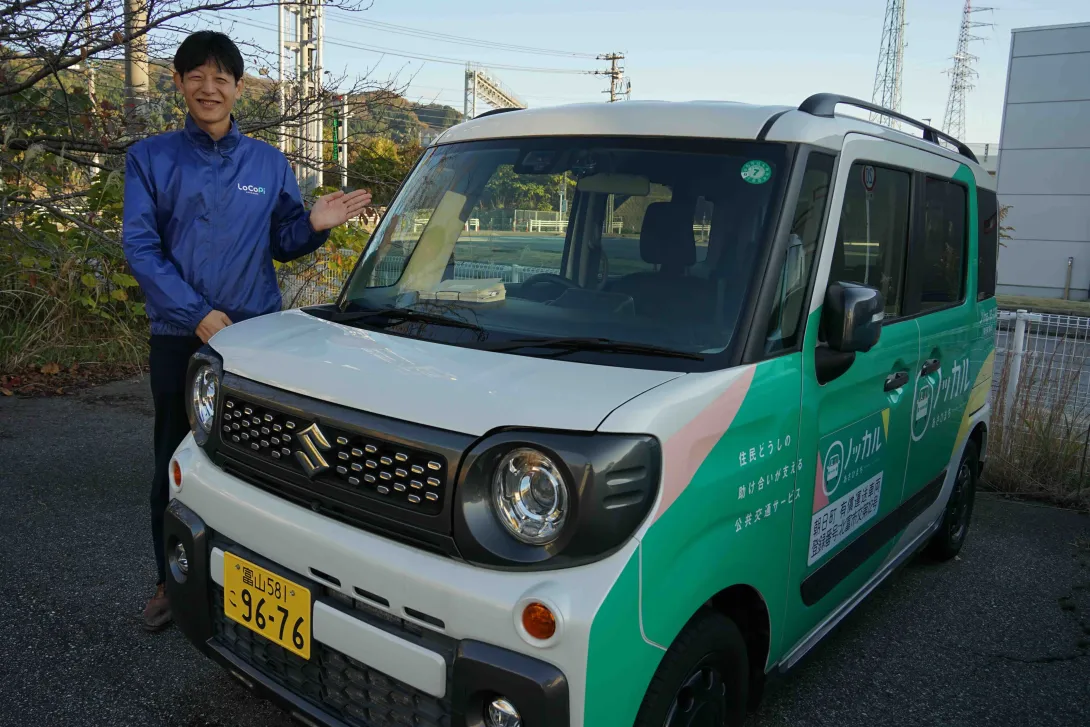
pixel 942 252
pixel 988 243
pixel 872 239
pixel 785 323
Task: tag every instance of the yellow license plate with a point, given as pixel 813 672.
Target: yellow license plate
pixel 267 604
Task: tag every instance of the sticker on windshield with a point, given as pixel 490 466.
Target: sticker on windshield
pixel 756 172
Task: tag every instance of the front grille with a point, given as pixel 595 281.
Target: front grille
pixel 354 463
pixel 349 690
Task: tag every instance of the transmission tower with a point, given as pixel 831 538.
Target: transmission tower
pixel 484 86
pixel 617 79
pixel 891 58
pixel 301 26
pixel 962 73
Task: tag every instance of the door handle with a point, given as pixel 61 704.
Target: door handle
pixel 930 366
pixel 896 381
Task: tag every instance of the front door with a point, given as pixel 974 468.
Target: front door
pixel 856 426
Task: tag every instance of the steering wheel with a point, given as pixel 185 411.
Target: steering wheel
pixel 546 278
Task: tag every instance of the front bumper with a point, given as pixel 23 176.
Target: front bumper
pixel 450 682
pixel 475 609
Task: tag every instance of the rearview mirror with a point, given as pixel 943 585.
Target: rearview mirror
pixel 852 317
pixel 629 185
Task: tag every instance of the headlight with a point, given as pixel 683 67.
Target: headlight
pixel 538 499
pixel 203 392
pixel 530 496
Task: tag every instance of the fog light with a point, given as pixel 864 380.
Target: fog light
pixel 539 621
pixel 502 713
pixel 181 559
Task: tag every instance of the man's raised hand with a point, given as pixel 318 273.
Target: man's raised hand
pixel 337 208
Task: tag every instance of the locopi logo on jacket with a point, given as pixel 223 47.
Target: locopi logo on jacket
pixel 250 189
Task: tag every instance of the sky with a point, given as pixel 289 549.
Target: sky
pixel 754 51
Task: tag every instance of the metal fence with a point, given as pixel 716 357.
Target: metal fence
pixel 1043 360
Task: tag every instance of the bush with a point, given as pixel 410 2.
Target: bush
pixel 66 295
pixel 1038 444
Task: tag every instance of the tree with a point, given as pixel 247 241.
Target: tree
pixel 67 124
pixel 380 165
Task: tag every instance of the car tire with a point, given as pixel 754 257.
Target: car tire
pixel 954 527
pixel 702 680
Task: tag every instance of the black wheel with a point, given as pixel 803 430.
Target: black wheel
pixel 947 542
pixel 703 680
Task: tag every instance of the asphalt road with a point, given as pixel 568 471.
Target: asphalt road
pixel 1000 636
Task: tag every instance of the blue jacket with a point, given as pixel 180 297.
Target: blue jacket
pixel 204 221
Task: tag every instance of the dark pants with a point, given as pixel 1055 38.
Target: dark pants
pixel 168 363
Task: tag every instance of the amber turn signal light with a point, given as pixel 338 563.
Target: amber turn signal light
pixel 176 472
pixel 539 621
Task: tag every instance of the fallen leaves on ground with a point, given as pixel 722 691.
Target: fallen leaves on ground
pixel 53 380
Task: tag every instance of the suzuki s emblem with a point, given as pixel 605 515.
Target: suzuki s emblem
pixel 312 443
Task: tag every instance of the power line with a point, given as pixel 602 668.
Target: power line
pixel 419 56
pixel 348 19
pixel 570 99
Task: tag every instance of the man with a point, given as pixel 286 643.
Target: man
pixel 207 210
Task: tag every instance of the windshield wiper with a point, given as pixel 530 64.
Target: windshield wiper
pixel 406 314
pixel 572 344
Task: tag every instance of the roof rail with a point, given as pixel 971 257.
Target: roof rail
pixel 824 105
pixel 493 112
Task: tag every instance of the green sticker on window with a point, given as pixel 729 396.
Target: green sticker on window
pixel 756 172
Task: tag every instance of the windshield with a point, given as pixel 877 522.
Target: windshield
pixel 587 242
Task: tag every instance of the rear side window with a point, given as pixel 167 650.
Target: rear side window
pixel 942 252
pixel 872 239
pixel 988 244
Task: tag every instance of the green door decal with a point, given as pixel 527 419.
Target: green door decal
pixel 848 485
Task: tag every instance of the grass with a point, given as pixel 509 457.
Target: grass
pixel 1037 447
pixel 43 324
pixel 1044 305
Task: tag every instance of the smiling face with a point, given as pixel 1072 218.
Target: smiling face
pixel 210 93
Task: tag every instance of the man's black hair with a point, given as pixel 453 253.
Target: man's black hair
pixel 207 45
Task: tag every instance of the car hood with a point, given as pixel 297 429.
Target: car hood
pixel 449 387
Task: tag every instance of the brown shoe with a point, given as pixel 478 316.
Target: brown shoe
pixel 157 612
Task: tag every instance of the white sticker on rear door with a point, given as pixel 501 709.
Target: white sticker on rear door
pixel 832 524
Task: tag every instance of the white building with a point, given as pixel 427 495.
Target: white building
pixel 987 155
pixel 1044 164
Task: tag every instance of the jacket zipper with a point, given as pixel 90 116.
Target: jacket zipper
pixel 215 190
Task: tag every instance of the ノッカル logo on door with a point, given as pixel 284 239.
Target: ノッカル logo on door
pixel 250 189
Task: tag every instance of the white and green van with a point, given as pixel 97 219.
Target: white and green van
pixel 623 408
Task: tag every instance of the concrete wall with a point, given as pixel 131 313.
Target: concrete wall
pixel 1044 162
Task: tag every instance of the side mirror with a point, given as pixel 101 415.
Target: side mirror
pixel 852 317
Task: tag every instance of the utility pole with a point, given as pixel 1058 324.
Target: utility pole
pixel 300 29
pixel 617 79
pixel 90 69
pixel 962 73
pixel 136 66
pixel 891 59
pixel 340 139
